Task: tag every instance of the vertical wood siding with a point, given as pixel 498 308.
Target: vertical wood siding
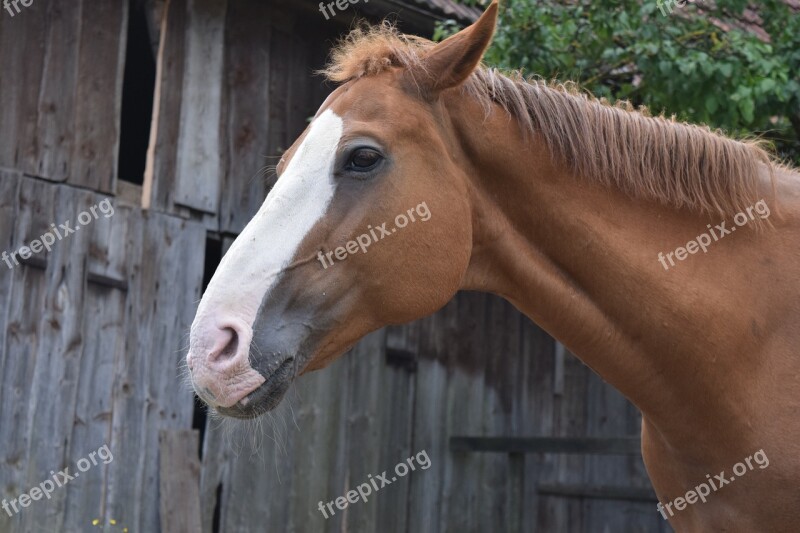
pixel 61 90
pixel 92 342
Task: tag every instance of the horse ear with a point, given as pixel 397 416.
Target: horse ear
pixel 450 63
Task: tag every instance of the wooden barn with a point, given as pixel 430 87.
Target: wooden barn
pixel 168 111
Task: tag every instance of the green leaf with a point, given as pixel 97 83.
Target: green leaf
pixel 747 109
pixel 767 84
pixel 711 104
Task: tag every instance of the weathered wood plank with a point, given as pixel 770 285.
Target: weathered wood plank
pixel 179 481
pixel 214 472
pixel 448 394
pixel 57 104
pixel 198 164
pixel 569 419
pixel 59 348
pixel 10 392
pixel 9 191
pixel 246 98
pixel 365 394
pixel 320 445
pixel 460 344
pixel 395 418
pixel 536 409
pixel 501 351
pixel 129 402
pixel 279 87
pixel 516 492
pixel 301 81
pixel 103 335
pixel 98 95
pixel 22 38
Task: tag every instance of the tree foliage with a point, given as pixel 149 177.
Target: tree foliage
pixel 730 64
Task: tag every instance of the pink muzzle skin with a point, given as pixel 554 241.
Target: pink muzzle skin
pixel 219 362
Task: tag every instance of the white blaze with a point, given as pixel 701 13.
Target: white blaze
pixel 270 240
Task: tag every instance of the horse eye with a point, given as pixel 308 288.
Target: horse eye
pixel 364 159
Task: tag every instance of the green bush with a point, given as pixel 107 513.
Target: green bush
pixel 724 66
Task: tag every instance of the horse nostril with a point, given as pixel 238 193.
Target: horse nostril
pixel 232 346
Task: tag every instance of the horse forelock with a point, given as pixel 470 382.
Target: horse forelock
pixel 371 49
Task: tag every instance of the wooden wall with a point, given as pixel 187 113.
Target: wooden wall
pixel 60 89
pixel 92 334
pixel 91 344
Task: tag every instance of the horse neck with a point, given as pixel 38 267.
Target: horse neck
pixel 581 260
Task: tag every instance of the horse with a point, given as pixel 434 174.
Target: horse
pixel 663 254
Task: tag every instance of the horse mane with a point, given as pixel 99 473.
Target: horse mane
pixel 654 158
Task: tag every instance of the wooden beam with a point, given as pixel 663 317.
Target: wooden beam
pixel 600 492
pixel 588 445
pixel 107 281
pixel 405 359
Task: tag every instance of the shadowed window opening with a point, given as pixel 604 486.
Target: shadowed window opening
pixel 138 86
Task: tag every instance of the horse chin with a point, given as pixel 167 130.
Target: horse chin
pixel 266 397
